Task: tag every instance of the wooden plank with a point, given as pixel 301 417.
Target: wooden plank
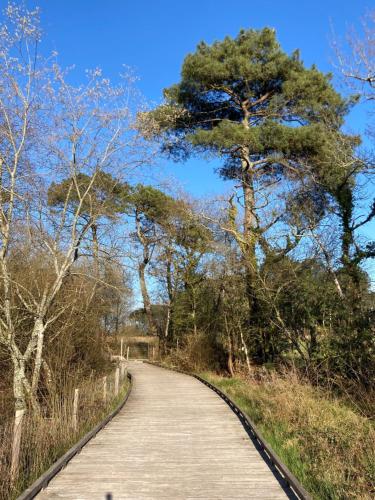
pixel 175 439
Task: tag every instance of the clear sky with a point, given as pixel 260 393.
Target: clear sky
pixel 153 37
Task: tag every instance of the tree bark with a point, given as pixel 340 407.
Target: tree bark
pixel 345 201
pixel 167 322
pixel 249 245
pixel 169 326
pixel 48 378
pixel 194 310
pixel 246 351
pixel 142 278
pixel 230 363
pixel 95 249
pixel 146 297
pixel 20 408
pixel 39 333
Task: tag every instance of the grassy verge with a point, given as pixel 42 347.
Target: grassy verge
pixel 47 437
pixel 323 442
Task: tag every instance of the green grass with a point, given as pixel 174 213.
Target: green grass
pixel 323 442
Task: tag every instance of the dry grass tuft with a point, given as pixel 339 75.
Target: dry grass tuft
pixel 325 443
pixel 48 435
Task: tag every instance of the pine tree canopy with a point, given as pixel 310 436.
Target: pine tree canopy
pixel 102 195
pixel 245 92
pixel 151 203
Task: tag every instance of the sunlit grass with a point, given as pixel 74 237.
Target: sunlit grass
pixel 324 443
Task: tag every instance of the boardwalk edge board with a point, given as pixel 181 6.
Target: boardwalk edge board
pixel 55 468
pixel 289 478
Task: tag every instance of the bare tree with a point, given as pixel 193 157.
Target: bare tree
pixel 49 130
pixel 357 62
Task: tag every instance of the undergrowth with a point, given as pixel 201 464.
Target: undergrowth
pixel 49 434
pixel 324 443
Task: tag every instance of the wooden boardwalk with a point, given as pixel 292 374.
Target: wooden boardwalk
pixel 174 439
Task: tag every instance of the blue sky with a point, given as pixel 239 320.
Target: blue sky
pixel 153 36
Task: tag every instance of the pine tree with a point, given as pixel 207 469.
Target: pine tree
pixel 259 108
pixel 108 198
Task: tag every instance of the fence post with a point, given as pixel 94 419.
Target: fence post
pixel 121 348
pixel 16 444
pixel 117 380
pixel 75 408
pixel 122 370
pixel 127 353
pixel 153 353
pixel 105 389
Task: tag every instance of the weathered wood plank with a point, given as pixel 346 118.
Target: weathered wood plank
pixel 175 439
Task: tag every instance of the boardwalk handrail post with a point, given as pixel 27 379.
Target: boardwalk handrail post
pixel 75 408
pixel 122 370
pixel 117 381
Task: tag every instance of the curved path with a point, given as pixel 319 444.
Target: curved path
pixel 175 439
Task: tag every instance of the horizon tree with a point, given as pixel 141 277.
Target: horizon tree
pixel 151 210
pixel 106 199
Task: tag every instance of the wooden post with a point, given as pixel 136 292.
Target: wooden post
pixel 123 370
pixel 117 381
pixel 16 444
pixel 75 408
pixel 127 353
pixel 153 353
pixel 177 344
pixel 105 389
pixel 121 349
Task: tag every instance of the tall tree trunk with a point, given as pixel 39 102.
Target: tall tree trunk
pixel 249 245
pixel 142 278
pixel 48 378
pixel 194 310
pixel 230 363
pixel 345 201
pixel 20 408
pixel 167 322
pixel 146 297
pixel 117 317
pixel 95 249
pixel 245 349
pixel 170 290
pixel 96 268
pixel 39 333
